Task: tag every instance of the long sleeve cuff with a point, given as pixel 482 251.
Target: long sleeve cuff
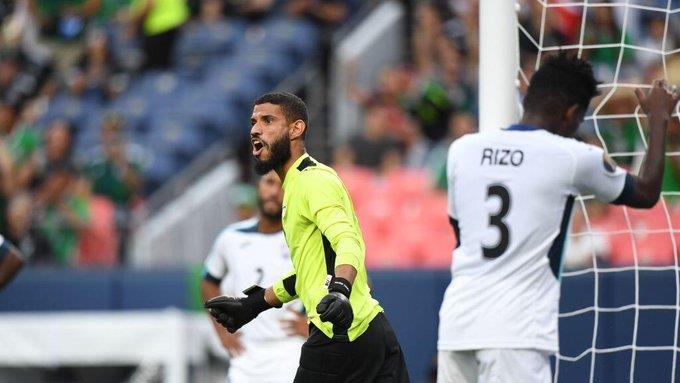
pixel 284 288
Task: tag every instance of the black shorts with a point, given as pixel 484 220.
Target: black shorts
pixel 373 357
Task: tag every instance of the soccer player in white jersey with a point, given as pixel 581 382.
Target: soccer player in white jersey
pixel 248 253
pixel 511 194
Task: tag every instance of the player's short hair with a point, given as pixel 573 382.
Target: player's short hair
pixel 292 106
pixel 562 81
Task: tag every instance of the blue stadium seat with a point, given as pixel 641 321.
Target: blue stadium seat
pixel 212 108
pixel 291 36
pixel 134 108
pixel 161 89
pixel 270 66
pixel 199 43
pixel 89 135
pixel 160 167
pixel 75 110
pixel 177 133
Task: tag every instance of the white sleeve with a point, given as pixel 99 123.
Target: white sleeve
pixel 216 262
pixel 597 174
pixel 450 181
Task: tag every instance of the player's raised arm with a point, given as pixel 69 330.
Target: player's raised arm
pixel 643 190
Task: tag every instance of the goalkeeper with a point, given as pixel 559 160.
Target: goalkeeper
pixel 350 339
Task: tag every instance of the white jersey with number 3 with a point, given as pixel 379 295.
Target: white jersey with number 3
pixel 511 194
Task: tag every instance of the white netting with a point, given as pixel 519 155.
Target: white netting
pixel 628 258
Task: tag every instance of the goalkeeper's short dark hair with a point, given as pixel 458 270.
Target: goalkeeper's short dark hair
pixel 292 106
pixel 562 80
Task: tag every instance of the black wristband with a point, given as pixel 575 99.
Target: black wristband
pixel 340 285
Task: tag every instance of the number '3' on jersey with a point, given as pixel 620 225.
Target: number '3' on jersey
pixel 510 198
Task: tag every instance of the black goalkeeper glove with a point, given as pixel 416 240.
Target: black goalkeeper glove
pixel 335 307
pixel 233 313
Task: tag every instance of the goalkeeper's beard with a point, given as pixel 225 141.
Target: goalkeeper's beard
pixel 279 154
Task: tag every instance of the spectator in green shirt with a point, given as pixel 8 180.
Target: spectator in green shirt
pixel 112 173
pixel 24 144
pixel 64 215
pixel 115 175
pixel 605 30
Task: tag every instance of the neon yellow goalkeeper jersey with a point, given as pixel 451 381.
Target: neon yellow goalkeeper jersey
pixel 322 232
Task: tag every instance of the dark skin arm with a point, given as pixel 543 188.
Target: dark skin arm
pixel 658 104
pixel 231 342
pixel 10 266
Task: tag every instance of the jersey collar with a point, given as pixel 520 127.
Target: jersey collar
pixel 522 128
pixel 294 171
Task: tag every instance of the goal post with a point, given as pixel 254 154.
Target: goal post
pixel 498 64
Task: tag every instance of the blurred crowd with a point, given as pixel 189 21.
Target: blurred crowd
pixel 84 137
pixel 102 101
pixel 419 107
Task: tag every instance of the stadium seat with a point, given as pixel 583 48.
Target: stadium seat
pixel 403 220
pixel 291 36
pixel 650 238
pixel 98 244
pixel 357 180
pixel 75 110
pixel 200 43
pixel 160 167
pixel 134 108
pixel 265 64
pixel 211 108
pixel 176 133
pixel 238 80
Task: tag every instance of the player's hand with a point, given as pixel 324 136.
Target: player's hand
pixel 297 326
pixel 660 100
pixel 232 343
pixel 335 306
pixel 232 313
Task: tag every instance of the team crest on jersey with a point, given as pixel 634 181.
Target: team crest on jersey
pixel 608 163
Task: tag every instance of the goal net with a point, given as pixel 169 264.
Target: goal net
pixel 621 267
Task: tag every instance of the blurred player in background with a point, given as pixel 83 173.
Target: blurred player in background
pixel 511 194
pixel 254 252
pixel 11 261
pixel 350 338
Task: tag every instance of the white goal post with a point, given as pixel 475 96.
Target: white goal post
pixel 498 64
